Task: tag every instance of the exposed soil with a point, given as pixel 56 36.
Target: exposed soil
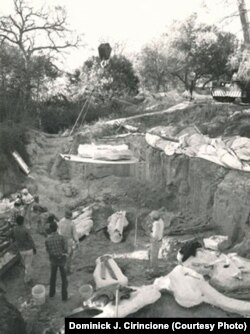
pixel 192 187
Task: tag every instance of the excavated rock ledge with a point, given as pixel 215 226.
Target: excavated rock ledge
pixel 196 187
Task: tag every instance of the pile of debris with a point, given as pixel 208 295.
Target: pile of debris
pixel 11 319
pixel 232 153
pixel 180 223
pixel 83 221
pixel 8 254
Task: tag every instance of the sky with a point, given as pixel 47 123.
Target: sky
pixel 132 22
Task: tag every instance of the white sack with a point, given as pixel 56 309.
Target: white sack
pixel 102 275
pixel 116 224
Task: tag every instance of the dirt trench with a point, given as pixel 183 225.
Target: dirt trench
pixel 195 189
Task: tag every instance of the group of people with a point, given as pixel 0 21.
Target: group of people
pixel 61 239
pixel 23 207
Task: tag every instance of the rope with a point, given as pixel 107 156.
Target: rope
pixel 84 116
pixel 80 113
pixel 86 103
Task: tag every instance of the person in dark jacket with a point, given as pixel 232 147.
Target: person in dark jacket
pixel 25 245
pixel 57 248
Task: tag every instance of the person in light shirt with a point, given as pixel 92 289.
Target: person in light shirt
pixel 67 229
pixel 155 241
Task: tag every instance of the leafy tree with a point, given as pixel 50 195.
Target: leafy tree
pixel 199 48
pixel 43 70
pixel 11 85
pixel 124 82
pixel 189 51
pixel 34 33
pixel 117 79
pixel 12 82
pixel 153 67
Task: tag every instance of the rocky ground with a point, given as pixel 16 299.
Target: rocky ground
pixel 59 185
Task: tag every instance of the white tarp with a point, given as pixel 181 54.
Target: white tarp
pixel 116 224
pixel 144 295
pixel 213 241
pixel 6 205
pixel 105 152
pixel 84 222
pixel 191 289
pixel 175 108
pixel 107 272
pixel 233 153
pixel 226 271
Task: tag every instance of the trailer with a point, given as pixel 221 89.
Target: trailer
pixel 229 91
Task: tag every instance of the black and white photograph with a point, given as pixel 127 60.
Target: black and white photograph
pixel 124 165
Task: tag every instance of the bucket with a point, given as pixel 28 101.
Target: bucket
pixel 38 293
pixel 85 291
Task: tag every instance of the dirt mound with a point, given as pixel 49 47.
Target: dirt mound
pixel 160 101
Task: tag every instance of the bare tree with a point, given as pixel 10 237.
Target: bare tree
pixel 36 31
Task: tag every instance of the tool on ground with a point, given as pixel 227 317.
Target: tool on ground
pixel 116 301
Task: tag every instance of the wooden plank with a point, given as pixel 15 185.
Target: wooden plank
pixel 8 265
pixel 76 158
pixel 22 164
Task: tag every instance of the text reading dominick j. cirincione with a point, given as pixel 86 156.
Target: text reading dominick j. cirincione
pixel 176 325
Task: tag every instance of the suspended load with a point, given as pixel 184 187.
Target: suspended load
pixel 104 51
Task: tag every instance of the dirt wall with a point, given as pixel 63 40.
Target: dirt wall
pixel 193 187
pixel 11 179
pixel 196 187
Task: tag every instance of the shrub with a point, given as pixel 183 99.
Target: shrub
pixel 12 138
pixel 57 116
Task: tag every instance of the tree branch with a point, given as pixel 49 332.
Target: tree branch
pixel 22 29
pixel 178 76
pixel 4 37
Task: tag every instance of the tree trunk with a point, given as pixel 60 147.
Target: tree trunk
pixel 244 22
pixel 244 68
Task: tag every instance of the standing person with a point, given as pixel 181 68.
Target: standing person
pixel 25 245
pixel 51 219
pixel 192 78
pixel 27 199
pixel 155 241
pixel 40 219
pixel 56 246
pixel 68 230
